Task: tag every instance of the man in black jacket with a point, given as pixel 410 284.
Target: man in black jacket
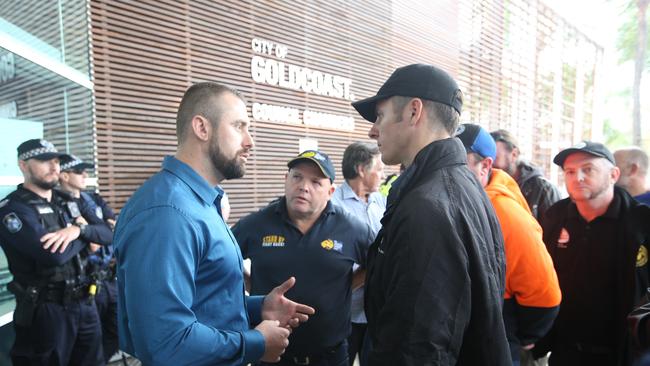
pixel 435 280
pixel 598 239
pixel 538 191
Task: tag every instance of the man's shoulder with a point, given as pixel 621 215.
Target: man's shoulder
pixel 264 215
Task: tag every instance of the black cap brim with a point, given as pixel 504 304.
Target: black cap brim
pixel 562 155
pixel 367 108
pixel 47 156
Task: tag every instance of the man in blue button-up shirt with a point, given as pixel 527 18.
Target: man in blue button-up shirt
pixel 180 277
pixel 363 171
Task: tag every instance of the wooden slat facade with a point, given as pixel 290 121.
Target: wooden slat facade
pixel 141 69
pixel 513 59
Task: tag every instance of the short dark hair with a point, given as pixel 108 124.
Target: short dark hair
pixel 506 138
pixel 358 153
pixel 197 101
pixel 445 114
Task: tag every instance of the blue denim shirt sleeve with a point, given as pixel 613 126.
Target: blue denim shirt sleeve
pixel 158 266
pixel 254 305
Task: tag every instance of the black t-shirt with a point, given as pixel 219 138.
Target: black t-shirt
pixel 321 260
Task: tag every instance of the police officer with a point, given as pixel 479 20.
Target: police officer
pixel 304 235
pixel 598 239
pixel 73 181
pixel 45 237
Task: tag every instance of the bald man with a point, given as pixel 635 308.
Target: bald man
pixel 633 163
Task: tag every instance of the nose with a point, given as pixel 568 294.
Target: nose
pixel 373 133
pixel 248 140
pixel 580 176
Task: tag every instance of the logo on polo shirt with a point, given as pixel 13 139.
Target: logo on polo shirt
pixel 330 244
pixel 273 241
pixel 563 240
pixel 642 256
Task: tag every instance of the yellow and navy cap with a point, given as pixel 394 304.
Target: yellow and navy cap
pixel 38 149
pixel 321 159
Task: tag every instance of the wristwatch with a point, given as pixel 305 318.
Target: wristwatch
pixel 82 228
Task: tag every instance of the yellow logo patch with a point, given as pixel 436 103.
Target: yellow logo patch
pixel 327 244
pixel 642 256
pixel 273 241
pixel 308 154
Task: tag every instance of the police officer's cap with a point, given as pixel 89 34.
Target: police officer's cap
pixel 38 149
pixel 418 81
pixel 321 159
pixel 588 147
pixel 71 162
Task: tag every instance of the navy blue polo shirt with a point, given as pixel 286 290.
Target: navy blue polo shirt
pixel 321 260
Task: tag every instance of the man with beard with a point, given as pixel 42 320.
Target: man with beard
pixel 540 194
pixel 304 235
pixel 181 297
pixel 45 236
pixel 435 282
pixel 598 239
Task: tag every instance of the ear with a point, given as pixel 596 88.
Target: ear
pixel 330 192
pixel 634 169
pixel 22 165
pixel 414 110
pixel 614 174
pixel 486 165
pixel 515 153
pixel 201 128
pixel 64 176
pixel 361 172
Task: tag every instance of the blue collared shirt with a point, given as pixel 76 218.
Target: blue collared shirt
pixel 370 213
pixel 181 294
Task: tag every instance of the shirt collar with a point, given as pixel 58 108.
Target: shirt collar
pixel 196 182
pixel 348 192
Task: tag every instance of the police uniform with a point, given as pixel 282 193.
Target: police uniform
pixel 101 262
pixel 54 321
pixel 321 260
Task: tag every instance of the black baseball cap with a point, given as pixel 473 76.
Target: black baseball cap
pixel 321 159
pixel 71 162
pixel 589 147
pixel 38 149
pixel 417 81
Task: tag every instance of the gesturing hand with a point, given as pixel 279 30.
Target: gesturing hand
pixel 287 312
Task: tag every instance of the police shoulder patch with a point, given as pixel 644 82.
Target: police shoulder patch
pixel 3 203
pixel 12 222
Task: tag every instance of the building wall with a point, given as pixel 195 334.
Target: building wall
pixel 142 68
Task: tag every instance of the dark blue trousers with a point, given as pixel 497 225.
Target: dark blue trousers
pixel 106 301
pixel 60 335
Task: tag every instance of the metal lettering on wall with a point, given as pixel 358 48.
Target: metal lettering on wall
pixel 284 75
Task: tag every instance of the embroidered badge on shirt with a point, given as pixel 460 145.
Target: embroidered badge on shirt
pixel 273 241
pixel 12 222
pixel 563 240
pixel 642 256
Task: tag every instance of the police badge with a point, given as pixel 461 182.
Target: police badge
pixel 12 222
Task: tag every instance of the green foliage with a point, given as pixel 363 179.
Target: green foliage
pixel 627 34
pixel 615 138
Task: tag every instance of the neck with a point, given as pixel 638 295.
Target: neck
pixel 359 189
pixel 76 193
pixel 44 193
pixel 637 188
pixel 199 160
pixel 596 207
pixel 306 221
pixel 421 140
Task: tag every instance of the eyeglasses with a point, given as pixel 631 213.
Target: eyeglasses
pixel 77 171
